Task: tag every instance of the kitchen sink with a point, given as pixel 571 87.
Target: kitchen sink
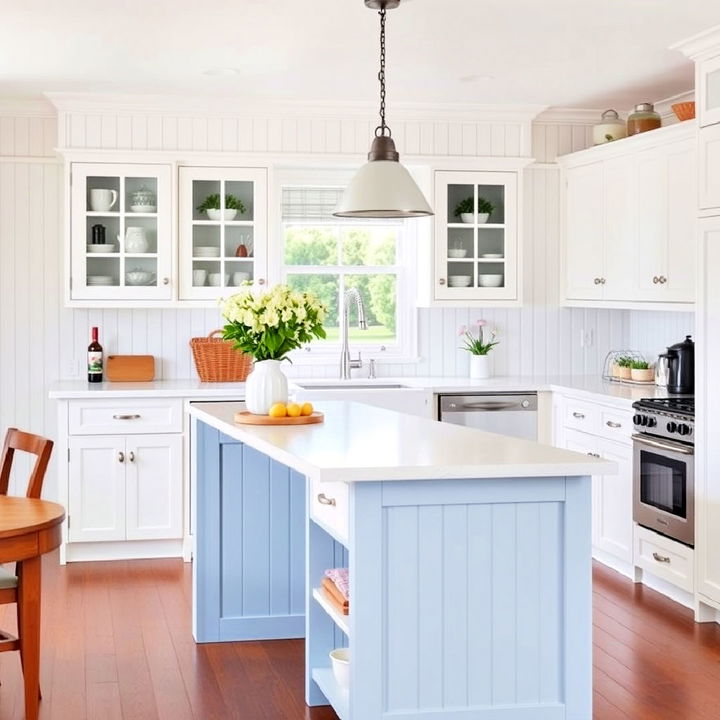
pixel 350 386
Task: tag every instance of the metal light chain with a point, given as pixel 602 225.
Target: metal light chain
pixel 381 77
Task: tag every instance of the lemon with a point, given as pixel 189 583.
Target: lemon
pixel 278 410
pixel 294 410
pixel 307 409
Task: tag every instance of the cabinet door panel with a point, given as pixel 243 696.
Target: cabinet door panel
pixel 709 91
pixel 652 215
pixel 613 512
pixel 584 233
pixel 587 445
pixel 96 495
pixel 154 487
pixel 709 160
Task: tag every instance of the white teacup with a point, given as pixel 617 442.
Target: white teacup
pixel 240 277
pixel 102 200
pixel 214 279
pixel 199 277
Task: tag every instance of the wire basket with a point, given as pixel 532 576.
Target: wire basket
pixel 611 371
pixel 216 360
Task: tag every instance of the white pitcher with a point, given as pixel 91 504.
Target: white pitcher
pixel 135 240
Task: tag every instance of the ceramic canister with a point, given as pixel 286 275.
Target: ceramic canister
pixel 610 128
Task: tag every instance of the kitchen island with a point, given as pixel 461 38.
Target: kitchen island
pixel 468 556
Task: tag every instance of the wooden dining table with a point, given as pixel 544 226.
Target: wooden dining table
pixel 28 529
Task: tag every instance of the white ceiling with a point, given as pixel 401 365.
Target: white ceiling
pixel 563 53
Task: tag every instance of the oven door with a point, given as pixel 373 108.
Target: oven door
pixel 663 487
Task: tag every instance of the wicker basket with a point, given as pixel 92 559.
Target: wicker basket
pixel 217 361
pixel 684 110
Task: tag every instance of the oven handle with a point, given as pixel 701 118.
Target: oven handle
pixel 682 449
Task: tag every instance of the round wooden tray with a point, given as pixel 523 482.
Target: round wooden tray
pixel 246 418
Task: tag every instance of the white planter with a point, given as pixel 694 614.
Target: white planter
pixel 483 218
pixel 468 217
pixel 265 386
pixel 479 367
pixel 218 214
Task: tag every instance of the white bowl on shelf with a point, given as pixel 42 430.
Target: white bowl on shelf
pixel 143 208
pixel 139 277
pixel 491 280
pixel 102 248
pixel 459 280
pixel 457 252
pixel 340 659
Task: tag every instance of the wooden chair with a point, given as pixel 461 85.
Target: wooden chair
pixel 42 448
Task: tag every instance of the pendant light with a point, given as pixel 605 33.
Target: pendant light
pixel 383 188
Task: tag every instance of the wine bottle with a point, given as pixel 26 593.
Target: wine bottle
pixel 95 359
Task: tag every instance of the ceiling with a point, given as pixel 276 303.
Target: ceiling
pixel 562 53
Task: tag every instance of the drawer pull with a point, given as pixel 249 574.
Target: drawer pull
pixel 126 417
pixel 661 558
pixel 612 424
pixel 579 415
pixel 323 499
pixel 121 457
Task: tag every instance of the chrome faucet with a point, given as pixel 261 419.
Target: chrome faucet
pixel 346 362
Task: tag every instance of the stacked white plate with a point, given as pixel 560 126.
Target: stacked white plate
pixel 143 208
pixel 100 280
pixel 209 251
pixel 102 248
pixel 459 280
pixel 496 256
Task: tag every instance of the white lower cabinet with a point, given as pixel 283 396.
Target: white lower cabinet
pixel 125 488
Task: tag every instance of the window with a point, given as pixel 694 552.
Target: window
pixel 327 256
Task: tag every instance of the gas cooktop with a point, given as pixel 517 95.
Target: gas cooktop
pixel 684 406
pixel 672 418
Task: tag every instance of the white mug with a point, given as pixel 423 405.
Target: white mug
pixel 214 279
pixel 102 200
pixel 240 277
pixel 199 277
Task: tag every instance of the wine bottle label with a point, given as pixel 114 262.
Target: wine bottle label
pixel 95 363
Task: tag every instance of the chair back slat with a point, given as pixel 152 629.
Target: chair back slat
pixel 25 442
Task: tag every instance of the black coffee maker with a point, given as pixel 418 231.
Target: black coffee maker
pixel 681 367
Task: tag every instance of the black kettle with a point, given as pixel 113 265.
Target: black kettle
pixel 681 367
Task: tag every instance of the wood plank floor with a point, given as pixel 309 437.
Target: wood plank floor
pixel 117 646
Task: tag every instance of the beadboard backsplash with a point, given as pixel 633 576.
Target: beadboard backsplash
pixel 41 341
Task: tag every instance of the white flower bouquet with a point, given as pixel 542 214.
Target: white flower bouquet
pixel 270 325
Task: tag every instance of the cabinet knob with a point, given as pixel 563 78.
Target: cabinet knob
pixel 323 499
pixel 441 281
pixel 121 457
pixel 662 279
pixel 656 279
pixel 603 281
pixel 597 281
pixel 131 456
pixel 166 281
pixel 261 281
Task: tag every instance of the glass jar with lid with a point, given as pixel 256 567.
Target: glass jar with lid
pixel 143 200
pixel 642 119
pixel 611 127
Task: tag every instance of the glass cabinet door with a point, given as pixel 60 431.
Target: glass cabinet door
pixel 475 235
pixel 709 92
pixel 120 232
pixel 223 226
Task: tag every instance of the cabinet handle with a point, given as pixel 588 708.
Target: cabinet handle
pixel 323 499
pixel 126 417
pixel 578 415
pixel 662 279
pixel 131 456
pixel 661 558
pixel 612 424
pixel 166 281
pixel 121 457
pixel 261 281
pixel 597 281
pixel 656 279
pixel 603 281
pixel 441 281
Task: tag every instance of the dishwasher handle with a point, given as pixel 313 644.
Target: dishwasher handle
pixel 470 403
pixel 487 406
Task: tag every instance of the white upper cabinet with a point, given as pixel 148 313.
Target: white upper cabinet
pixel 120 232
pixel 708 91
pixel 709 175
pixel 476 249
pixel 629 229
pixel 223 230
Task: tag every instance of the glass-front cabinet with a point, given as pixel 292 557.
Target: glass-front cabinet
pixel 709 91
pixel 223 227
pixel 476 238
pixel 120 230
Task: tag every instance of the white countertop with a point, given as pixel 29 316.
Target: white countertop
pixel 582 385
pixel 358 442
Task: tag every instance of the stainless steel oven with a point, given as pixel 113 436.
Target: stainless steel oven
pixel 664 474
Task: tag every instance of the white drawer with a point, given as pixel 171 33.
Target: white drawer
pixel 616 424
pixel 125 416
pixel 582 416
pixel 330 507
pixel 665 558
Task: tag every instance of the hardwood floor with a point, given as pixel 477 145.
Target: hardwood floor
pixel 117 646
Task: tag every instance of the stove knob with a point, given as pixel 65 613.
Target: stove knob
pixel 651 422
pixel 672 427
pixel 637 419
pixel 684 429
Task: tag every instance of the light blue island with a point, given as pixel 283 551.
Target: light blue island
pixel 469 558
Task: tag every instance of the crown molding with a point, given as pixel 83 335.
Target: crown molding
pixel 26 107
pixel 664 106
pixel 707 41
pixel 568 116
pixel 257 107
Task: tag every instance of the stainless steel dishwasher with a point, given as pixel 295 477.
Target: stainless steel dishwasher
pixel 513 414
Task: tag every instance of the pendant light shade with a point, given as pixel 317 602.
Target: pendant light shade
pixel 383 188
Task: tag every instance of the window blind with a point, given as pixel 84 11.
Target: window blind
pixel 301 204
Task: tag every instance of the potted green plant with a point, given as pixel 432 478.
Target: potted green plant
pixel 642 371
pixel 621 367
pixel 465 210
pixel 477 347
pixel 211 206
pixel 268 326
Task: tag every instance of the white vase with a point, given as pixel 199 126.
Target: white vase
pixel 265 386
pixel 483 218
pixel 479 367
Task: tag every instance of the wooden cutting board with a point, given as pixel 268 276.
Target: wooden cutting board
pixel 130 368
pixel 246 418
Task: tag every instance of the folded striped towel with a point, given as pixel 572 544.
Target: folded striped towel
pixel 341 580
